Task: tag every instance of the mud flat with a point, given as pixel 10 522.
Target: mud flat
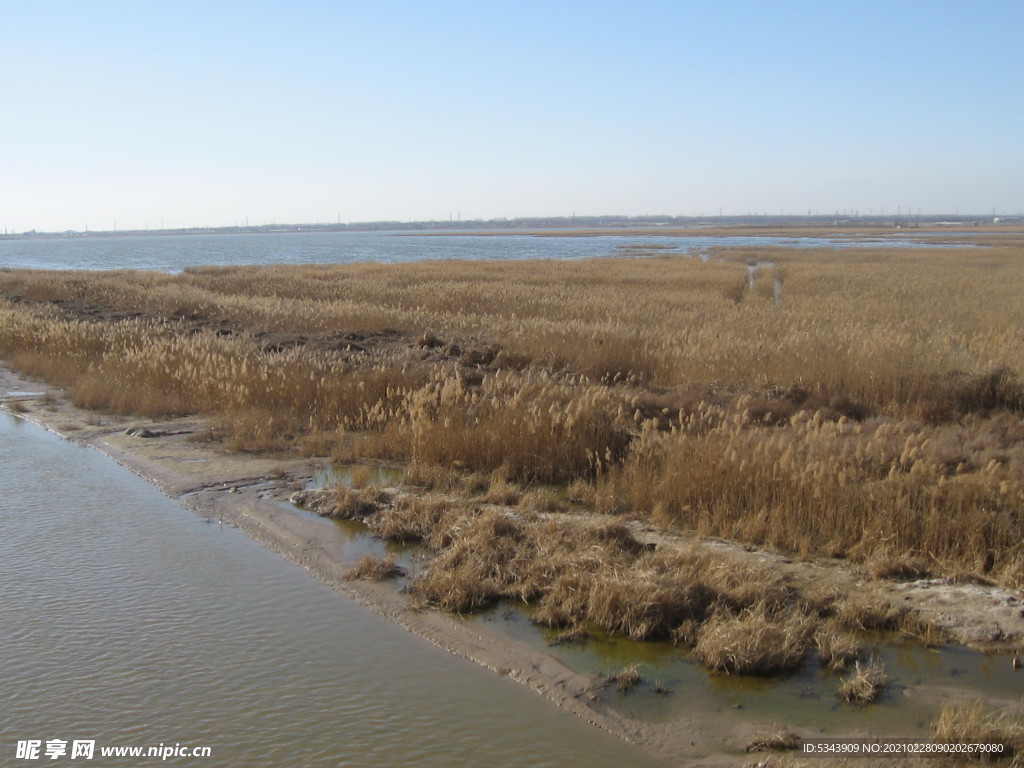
pixel 248 491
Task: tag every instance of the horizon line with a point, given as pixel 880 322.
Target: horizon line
pixel 837 218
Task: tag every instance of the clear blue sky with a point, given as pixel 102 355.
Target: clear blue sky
pixel 212 113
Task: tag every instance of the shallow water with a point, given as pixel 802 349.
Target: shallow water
pixel 345 474
pixel 128 621
pixel 920 678
pixel 177 252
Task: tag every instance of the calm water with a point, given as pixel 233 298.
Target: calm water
pixel 173 253
pixel 128 621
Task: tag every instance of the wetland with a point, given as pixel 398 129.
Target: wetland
pixel 591 468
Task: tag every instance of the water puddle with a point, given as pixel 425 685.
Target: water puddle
pixel 351 540
pixel 675 685
pixel 351 475
pixel 22 393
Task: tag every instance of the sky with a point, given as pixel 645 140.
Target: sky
pixel 145 114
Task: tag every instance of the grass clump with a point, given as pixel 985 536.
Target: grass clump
pixel 626 679
pixel 757 641
pixel 578 572
pixel 374 568
pixel 777 738
pixel 341 502
pixel 837 647
pixel 869 609
pixel 429 519
pixel 864 684
pixel 971 723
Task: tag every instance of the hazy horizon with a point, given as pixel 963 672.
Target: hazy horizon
pixel 136 115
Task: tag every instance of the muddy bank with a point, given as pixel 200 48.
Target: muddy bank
pixel 245 491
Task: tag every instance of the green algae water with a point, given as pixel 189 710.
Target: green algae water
pixel 675 687
pixel 126 621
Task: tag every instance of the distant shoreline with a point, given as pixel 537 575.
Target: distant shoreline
pixel 587 226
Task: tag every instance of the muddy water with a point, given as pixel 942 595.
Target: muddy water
pixel 921 679
pixel 127 621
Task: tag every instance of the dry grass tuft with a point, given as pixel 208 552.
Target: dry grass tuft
pixel 864 684
pixel 430 478
pixel 757 641
pixel 580 492
pixel 870 609
pixel 502 492
pixel 837 648
pixel 374 568
pixel 970 723
pixel 884 564
pixel 419 518
pixel 361 477
pixel 626 679
pixel 575 571
pixel 777 738
pixel 357 503
pixel 341 502
pixel 542 500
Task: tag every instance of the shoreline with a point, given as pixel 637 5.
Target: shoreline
pixel 245 491
pixel 232 490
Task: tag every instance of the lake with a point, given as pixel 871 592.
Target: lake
pixel 173 253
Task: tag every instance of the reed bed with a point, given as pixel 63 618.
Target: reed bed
pixel 971 723
pixel 579 572
pixel 859 403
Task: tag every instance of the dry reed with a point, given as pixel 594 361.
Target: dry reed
pixel 757 641
pixel 374 568
pixel 864 683
pixel 971 723
pixel 777 738
pixel 872 412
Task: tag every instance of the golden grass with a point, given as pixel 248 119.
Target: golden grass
pixel 342 503
pixel 873 413
pixel 581 572
pixel 757 641
pixel 837 646
pixel 971 723
pixel 777 738
pixel 626 679
pixel 864 684
pixel 374 568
